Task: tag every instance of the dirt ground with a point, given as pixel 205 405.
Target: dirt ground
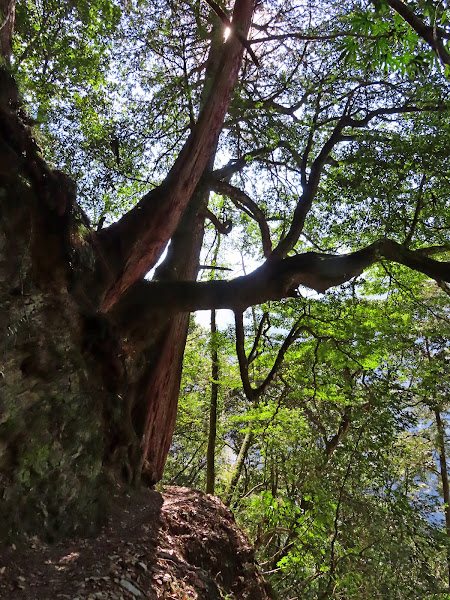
pixel 181 544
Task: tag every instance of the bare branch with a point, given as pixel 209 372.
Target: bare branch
pixel 311 186
pixel 289 340
pixel 264 322
pixel 308 37
pixel 253 394
pixel 419 206
pixel 214 268
pixel 309 191
pixel 242 358
pixel 239 199
pixel 333 443
pixel 224 227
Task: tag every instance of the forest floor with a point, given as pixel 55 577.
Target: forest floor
pixel 181 544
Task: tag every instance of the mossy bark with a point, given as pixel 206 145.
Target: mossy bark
pixel 62 371
pixel 53 402
pixel 85 397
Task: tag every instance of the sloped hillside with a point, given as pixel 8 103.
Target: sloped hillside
pixel 181 544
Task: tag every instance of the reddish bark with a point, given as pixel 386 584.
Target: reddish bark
pixel 155 411
pixel 161 399
pixel 137 240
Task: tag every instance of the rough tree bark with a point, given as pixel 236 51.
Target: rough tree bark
pixel 155 408
pixel 7 10
pixel 84 392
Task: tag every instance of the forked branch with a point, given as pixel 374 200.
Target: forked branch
pixel 242 201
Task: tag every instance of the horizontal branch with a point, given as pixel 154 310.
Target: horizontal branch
pixel 274 280
pixel 309 37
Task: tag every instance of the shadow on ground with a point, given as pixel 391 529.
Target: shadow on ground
pixel 181 544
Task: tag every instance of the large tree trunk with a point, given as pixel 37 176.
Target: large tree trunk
pixel 61 371
pixel 86 395
pixel 7 11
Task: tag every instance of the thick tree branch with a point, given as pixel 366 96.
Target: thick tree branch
pixel 426 32
pixel 135 242
pixel 274 280
pixel 432 250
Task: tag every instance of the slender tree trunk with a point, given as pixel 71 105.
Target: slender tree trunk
pixel 210 453
pixel 440 438
pixel 237 469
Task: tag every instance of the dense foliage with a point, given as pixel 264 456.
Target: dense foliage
pixel 341 488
